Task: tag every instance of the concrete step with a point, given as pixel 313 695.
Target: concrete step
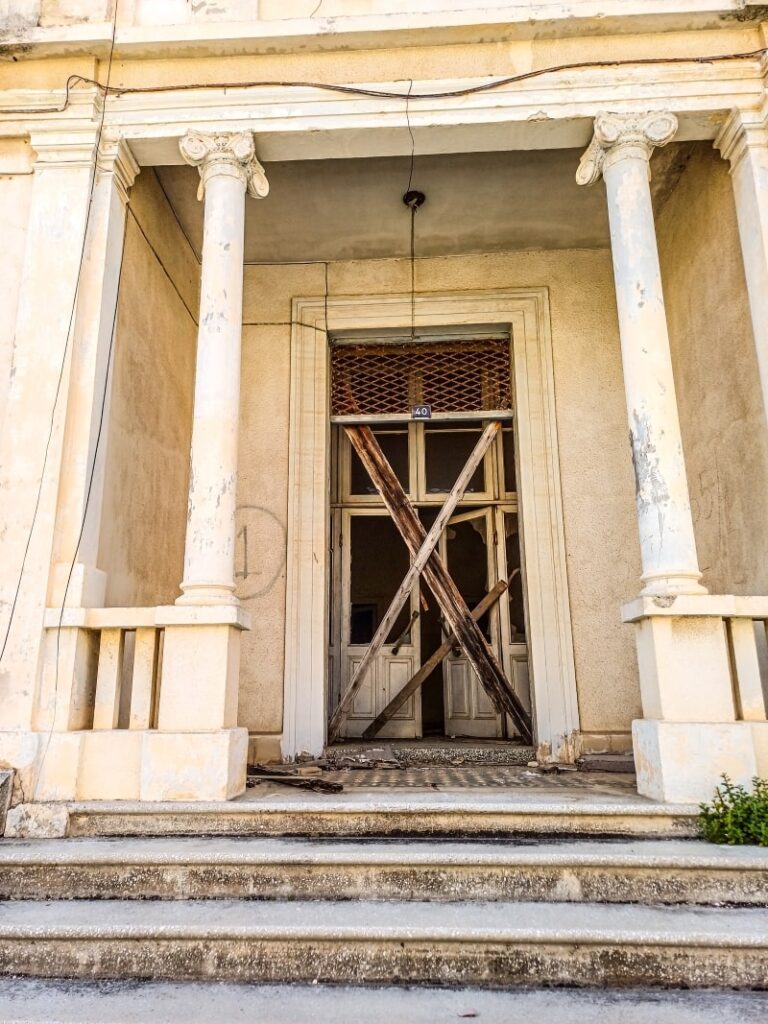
pixel 478 943
pixel 34 1001
pixel 466 814
pixel 660 872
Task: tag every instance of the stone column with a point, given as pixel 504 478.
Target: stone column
pixel 228 168
pixel 197 712
pixel 620 151
pixel 688 735
pixel 81 485
pixel 65 698
pixel 743 141
pixel 30 447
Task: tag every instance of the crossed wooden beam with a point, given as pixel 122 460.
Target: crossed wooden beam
pixel 427 562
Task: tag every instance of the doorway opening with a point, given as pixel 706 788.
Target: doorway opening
pixel 428 403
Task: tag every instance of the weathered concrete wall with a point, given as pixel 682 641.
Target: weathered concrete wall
pixel 16 159
pixel 723 423
pixel 598 498
pixel 142 542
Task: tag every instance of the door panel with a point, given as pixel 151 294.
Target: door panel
pixel 470 554
pixel 368 583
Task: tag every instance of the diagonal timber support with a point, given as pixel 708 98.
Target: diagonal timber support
pixel 452 604
pixel 431 664
pixel 419 561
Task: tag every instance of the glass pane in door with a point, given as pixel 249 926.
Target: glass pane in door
pixel 379 563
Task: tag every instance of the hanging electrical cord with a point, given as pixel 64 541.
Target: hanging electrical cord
pixel 354 90
pixel 414 200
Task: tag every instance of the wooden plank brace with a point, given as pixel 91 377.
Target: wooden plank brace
pixel 454 608
pixel 431 664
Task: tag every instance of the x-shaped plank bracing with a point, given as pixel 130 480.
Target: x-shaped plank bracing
pixel 427 562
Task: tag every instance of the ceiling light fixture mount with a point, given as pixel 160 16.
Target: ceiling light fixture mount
pixel 413 199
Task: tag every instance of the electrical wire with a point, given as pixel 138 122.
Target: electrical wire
pixel 91 474
pixel 410 132
pixel 412 207
pixel 355 90
pixel 107 90
pixel 60 379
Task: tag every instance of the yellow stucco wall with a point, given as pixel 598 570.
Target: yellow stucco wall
pixel 598 501
pixel 716 376
pixel 142 541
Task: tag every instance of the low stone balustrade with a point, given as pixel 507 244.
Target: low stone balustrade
pixel 122 667
pixel 748 646
pixel 117 710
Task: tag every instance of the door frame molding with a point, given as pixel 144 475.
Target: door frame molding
pixel 524 314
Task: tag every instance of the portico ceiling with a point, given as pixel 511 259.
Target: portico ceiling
pixel 476 202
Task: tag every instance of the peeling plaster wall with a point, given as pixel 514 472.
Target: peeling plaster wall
pixel 716 377
pixel 142 541
pixel 598 494
pixel 16 160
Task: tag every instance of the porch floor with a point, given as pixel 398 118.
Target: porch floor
pixel 473 780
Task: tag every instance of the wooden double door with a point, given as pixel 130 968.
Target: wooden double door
pixel 480 545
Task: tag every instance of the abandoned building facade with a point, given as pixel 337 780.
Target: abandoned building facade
pixel 272 432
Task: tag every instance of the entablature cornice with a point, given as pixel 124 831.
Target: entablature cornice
pixel 305 123
pixel 300 123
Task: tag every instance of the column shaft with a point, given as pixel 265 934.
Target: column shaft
pixel 620 152
pixel 227 167
pixel 744 142
pixel 81 486
pixel 57 219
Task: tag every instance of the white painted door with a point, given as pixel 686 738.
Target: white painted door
pixel 468 548
pixel 511 608
pixel 374 561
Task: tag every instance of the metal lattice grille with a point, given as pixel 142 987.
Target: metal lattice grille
pixel 449 376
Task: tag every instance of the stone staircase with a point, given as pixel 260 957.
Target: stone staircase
pixel 376 910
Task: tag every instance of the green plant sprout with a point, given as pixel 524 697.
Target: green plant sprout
pixel 736 816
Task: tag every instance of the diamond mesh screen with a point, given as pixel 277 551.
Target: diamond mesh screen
pixel 450 376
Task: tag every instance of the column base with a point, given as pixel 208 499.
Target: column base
pixel 672 584
pixel 683 762
pixel 122 764
pixel 206 594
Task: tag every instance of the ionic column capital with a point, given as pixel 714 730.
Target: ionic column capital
pixel 618 136
pixel 230 154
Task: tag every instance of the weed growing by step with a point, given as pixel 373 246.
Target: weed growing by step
pixel 736 816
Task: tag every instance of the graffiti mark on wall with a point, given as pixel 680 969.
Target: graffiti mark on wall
pixel 260 551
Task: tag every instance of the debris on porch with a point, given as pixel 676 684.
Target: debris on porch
pixel 296 776
pixel 430 752
pixel 360 777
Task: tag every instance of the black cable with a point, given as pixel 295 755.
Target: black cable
pixel 410 132
pixel 413 272
pixel 353 90
pixel 59 381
